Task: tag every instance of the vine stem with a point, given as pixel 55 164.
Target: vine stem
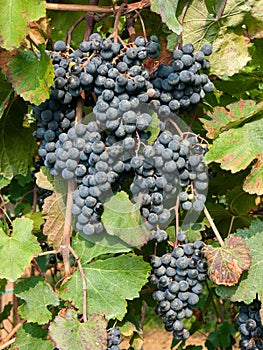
pixel 10 342
pixel 213 226
pixel 84 285
pixel 221 10
pixel 90 21
pixel 72 28
pixel 179 42
pixel 13 331
pixel 46 253
pixel 91 8
pixel 79 110
pixel 65 246
pixel 3 208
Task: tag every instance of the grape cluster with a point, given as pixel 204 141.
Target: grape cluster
pixel 177 276
pixel 114 339
pixel 250 326
pixel 181 85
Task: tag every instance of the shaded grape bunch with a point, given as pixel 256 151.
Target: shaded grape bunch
pixel 114 339
pixel 178 276
pixel 183 84
pixel 250 326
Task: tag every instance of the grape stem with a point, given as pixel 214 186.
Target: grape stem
pixel 221 10
pixel 3 208
pixel 213 226
pixel 142 24
pixel 84 285
pixel 90 21
pixel 179 41
pixel 72 28
pixel 46 253
pixel 65 246
pixel 79 110
pixel 13 331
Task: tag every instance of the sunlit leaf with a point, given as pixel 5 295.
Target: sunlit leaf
pixel 12 262
pixel 110 282
pixel 167 10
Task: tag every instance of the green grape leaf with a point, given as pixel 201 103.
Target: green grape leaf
pixel 122 218
pixel 4 182
pixel 88 248
pixel 239 201
pixel 167 10
pixel 5 93
pixel 13 159
pixel 235 149
pixel 37 294
pixel 34 80
pixel 225 118
pixel 227 263
pixel 68 333
pixel 44 179
pixel 222 337
pixel 14 20
pixel 32 336
pixel 202 26
pixel 251 282
pixel 13 263
pixel 153 128
pixel 107 292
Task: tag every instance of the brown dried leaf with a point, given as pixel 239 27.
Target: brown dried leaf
pixel 39 30
pixel 54 213
pixel 227 263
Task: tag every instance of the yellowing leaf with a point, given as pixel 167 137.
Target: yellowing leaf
pixel 68 333
pixel 227 263
pixel 251 282
pixel 224 118
pixel 232 50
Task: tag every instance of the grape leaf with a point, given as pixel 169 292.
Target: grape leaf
pixel 107 291
pixel 153 128
pixel 232 49
pixel 122 218
pixel 88 248
pixel 14 18
pixel 31 336
pixel 5 94
pixel 13 263
pixel 13 159
pixel 37 294
pixel 4 182
pixel 44 179
pixel 239 201
pixel 68 333
pixel 54 207
pixel 251 282
pixel 167 10
pixel 34 80
pixel 227 263
pixel 235 149
pixel 254 181
pixel 224 118
pixel 248 232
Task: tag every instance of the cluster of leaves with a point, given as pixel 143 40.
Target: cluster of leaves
pixel 231 119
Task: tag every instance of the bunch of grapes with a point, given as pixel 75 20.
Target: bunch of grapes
pixel 178 276
pixel 250 326
pixel 114 339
